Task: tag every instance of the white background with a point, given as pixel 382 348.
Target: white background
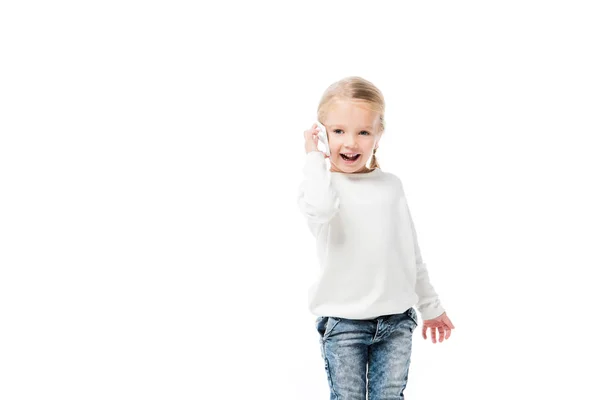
pixel 150 242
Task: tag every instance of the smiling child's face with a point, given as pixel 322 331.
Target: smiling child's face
pixel 351 129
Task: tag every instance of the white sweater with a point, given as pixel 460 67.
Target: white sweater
pixel 370 262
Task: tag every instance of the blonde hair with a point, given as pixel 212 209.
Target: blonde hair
pixel 355 88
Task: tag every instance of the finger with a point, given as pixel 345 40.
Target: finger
pixel 433 338
pixel 449 332
pixel 424 332
pixel 311 131
pixel 442 333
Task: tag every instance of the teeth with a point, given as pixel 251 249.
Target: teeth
pixel 349 154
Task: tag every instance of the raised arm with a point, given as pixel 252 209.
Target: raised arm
pixel 317 200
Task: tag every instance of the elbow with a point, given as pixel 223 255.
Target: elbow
pixel 321 213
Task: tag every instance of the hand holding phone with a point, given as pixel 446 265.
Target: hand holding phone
pixel 323 142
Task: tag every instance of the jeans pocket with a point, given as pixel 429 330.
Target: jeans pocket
pixel 330 325
pixel 413 315
pixel 320 325
pixel 325 326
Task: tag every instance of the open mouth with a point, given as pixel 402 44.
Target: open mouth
pixel 350 158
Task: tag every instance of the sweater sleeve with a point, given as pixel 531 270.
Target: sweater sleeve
pixel 429 303
pixel 317 200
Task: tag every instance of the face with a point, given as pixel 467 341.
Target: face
pixel 351 128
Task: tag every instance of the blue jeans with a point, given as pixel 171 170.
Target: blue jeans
pixel 372 354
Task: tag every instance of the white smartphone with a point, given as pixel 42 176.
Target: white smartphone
pixel 323 142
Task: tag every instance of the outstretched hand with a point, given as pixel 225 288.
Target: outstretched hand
pixel 441 325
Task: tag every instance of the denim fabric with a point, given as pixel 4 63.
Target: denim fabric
pixel 371 355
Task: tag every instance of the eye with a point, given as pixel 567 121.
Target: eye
pixel 339 130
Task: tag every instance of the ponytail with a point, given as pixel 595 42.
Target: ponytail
pixel 374 164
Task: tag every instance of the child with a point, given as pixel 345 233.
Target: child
pixel 371 270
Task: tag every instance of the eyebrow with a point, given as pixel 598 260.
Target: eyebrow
pixel 343 126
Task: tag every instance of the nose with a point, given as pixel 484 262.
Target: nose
pixel 349 142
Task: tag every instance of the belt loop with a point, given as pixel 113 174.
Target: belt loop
pixel 378 321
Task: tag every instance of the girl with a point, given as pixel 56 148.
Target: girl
pixel 371 271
